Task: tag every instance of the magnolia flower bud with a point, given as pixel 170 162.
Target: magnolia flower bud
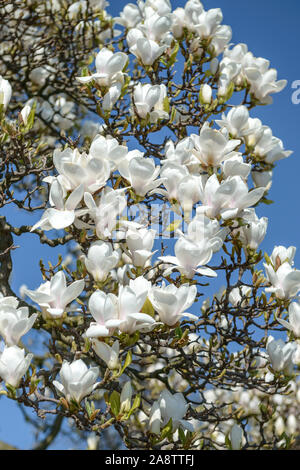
pixel 5 92
pixel 205 94
pixel 125 398
pixel 25 114
pixel 14 323
pixel 155 419
pixel 109 354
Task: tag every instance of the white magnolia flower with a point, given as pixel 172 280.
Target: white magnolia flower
pixel 14 322
pixel 181 153
pixel 281 254
pixel 175 407
pixel 146 50
pixel 105 214
pixel 140 172
pixel 103 308
pixel 109 68
pixel 262 80
pixel 236 122
pixel 63 213
pixel 205 94
pixel 54 296
pixel 109 354
pixel 130 303
pixel 77 169
pixel 149 100
pixel 281 355
pixel 155 418
pixel 262 179
pixel 254 232
pixel 228 198
pixel 188 257
pixel 285 281
pixel 125 397
pixel 170 302
pixel 294 319
pixel 77 380
pixel 140 243
pixel 130 16
pixel 101 259
pixel 205 232
pixel 235 166
pixel 5 92
pixel 156 27
pixel 107 148
pixel 172 173
pixel 14 364
pixel 269 148
pixel 239 296
pixel 212 147
pixel 81 6
pixel 25 112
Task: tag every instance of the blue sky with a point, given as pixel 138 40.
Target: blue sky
pixel 270 28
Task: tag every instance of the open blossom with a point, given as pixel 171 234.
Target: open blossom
pixel 170 302
pixel 108 149
pixel 109 354
pixel 105 214
pixel 149 100
pixel 181 153
pixel 281 254
pixel 235 166
pixel 156 27
pixel 236 122
pixel 281 355
pixel 14 364
pixel 14 322
pixel 212 147
pixel 294 319
pixel 147 50
pixel 141 173
pixel 262 179
pixel 130 16
pixel 269 148
pixel 63 213
pixel 140 243
pixel 77 169
pixel 100 260
pixel 5 92
pixel 190 259
pixel 262 80
pixel 77 380
pixel 254 231
pixel 228 198
pixel 54 296
pixel 109 68
pixel 204 231
pixel 285 281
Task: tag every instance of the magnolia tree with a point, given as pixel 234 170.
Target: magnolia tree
pixel 134 142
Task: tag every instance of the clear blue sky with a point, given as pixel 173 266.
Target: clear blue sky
pixel 270 28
